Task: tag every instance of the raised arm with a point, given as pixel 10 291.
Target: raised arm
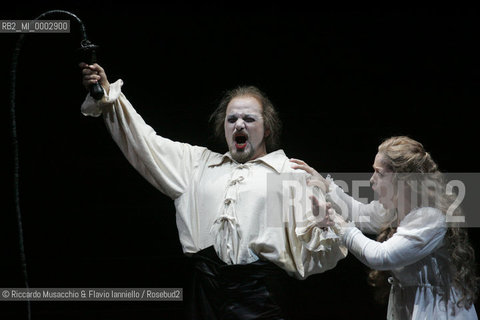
pixel 166 164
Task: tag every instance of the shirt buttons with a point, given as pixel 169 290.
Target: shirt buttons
pixel 235 181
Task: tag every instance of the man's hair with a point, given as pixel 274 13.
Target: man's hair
pixel 271 120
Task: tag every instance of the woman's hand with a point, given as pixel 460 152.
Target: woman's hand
pixel 316 178
pixel 322 212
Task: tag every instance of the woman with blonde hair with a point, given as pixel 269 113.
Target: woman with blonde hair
pixel 428 265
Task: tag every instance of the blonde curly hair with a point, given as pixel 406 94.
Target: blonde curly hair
pixel 406 157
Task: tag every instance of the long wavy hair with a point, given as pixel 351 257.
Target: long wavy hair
pixel 409 162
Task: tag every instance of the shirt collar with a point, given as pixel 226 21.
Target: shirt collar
pixel 274 160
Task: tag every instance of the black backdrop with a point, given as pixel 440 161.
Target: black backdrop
pixel 342 80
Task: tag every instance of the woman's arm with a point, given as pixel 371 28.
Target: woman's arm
pixel 370 218
pixel 419 234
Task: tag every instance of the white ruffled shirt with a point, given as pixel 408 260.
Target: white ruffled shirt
pixel 415 255
pixel 246 211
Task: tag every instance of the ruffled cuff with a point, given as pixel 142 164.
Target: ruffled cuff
pixel 332 194
pixel 341 227
pixel 331 184
pixel 94 108
pixel 317 239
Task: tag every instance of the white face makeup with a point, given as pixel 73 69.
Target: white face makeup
pixel 244 129
pixel 382 183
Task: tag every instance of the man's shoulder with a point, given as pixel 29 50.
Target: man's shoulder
pixel 209 157
pixel 279 160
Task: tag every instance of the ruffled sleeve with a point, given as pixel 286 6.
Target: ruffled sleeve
pixel 168 165
pixel 315 249
pixel 94 108
pixel 293 240
pixel 316 238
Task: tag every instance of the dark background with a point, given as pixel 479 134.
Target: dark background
pixel 342 80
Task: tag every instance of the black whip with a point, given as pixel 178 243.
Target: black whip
pixel 86 48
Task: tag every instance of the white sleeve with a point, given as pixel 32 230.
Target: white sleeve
pixel 166 164
pixel 419 234
pixel 369 218
pixel 292 239
pixel 314 249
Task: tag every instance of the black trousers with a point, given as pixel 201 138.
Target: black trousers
pixel 218 291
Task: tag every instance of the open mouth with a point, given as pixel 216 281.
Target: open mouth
pixel 240 141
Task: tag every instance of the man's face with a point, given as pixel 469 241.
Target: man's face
pixel 244 129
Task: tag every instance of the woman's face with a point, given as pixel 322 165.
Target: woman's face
pixel 382 182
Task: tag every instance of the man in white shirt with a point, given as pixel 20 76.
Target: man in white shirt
pixel 239 208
